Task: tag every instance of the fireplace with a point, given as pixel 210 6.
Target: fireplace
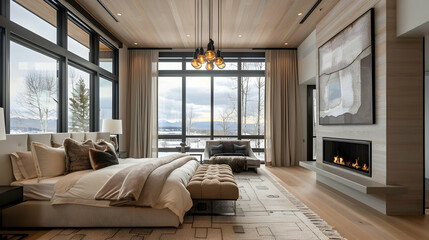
pixel 353 155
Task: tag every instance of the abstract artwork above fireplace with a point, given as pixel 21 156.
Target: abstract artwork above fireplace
pixel 354 155
pixel 346 73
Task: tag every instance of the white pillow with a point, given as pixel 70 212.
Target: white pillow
pixel 49 161
pixel 23 165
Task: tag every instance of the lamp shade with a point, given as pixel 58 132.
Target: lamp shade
pixel 2 127
pixel 114 126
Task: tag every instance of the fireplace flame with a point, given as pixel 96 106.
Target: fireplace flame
pixel 339 160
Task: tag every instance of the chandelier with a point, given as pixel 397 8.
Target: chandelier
pixel 209 57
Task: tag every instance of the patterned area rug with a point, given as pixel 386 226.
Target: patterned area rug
pixel 265 210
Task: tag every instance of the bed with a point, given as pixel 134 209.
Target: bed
pixel 56 202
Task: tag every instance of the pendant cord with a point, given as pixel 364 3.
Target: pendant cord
pixel 195 11
pixel 218 23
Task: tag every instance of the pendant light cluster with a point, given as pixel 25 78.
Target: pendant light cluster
pixel 209 57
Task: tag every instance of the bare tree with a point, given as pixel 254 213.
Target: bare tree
pixel 226 115
pixel 40 97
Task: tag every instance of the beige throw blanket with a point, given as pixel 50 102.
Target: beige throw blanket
pixel 158 183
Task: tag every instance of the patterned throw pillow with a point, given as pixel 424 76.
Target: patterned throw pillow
pixel 77 155
pixel 102 158
pixel 216 149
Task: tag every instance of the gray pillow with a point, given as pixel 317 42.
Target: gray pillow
pixel 216 149
pixel 102 158
pixel 77 155
pixel 240 149
pixel 229 154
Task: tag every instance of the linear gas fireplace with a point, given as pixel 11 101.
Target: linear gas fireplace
pixel 354 155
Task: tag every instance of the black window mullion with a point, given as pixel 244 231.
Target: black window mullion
pixel 62 123
pixel 94 118
pixel 62 27
pixel 239 86
pixel 115 100
pixel 211 107
pixel 5 45
pixel 95 49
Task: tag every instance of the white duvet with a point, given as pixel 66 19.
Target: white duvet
pixel 157 183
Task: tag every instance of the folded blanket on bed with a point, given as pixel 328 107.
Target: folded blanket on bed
pixel 153 182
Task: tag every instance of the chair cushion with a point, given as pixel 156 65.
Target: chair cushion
pixel 216 149
pixel 213 182
pixel 228 154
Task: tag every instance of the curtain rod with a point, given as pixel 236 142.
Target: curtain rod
pixel 150 49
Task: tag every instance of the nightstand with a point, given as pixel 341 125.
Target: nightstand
pixel 9 195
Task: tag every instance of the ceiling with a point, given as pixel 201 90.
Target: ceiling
pixel 171 23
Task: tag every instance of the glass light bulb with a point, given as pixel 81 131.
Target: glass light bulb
pixel 195 63
pixel 202 58
pixel 210 55
pixel 209 66
pixel 218 61
pixel 221 66
pixel 199 65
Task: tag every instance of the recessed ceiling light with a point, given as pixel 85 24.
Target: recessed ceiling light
pixel 188 35
pixel 119 14
pixel 286 43
pixel 299 14
pixel 135 43
pixel 240 35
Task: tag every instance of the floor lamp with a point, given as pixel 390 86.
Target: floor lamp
pixel 114 127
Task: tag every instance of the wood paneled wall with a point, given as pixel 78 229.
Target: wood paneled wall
pixel 397 135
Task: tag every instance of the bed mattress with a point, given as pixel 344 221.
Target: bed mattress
pixel 38 189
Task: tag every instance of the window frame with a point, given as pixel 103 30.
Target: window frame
pixel 184 57
pixel 11 31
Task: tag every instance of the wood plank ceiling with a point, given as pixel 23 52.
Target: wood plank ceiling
pixel 171 24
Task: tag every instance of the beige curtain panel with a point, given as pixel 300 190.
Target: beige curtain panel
pixel 282 109
pixel 142 102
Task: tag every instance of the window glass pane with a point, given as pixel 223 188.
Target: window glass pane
pixel 169 105
pixel 106 57
pixel 33 91
pixel 78 100
pixel 228 66
pixel 196 143
pixel 78 40
pixel 169 143
pixel 198 106
pixel 37 16
pixel 225 105
pixel 253 65
pixel 169 65
pixel 256 143
pixel 252 105
pixel 106 99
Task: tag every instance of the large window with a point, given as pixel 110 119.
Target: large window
pixel 35 15
pixel 78 100
pixel 199 105
pixel 57 73
pixel 78 40
pixel 106 99
pixel 33 91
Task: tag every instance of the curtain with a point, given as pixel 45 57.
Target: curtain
pixel 142 103
pixel 282 109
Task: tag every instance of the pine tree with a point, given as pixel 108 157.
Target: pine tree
pixel 79 107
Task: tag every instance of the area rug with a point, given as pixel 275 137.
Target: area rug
pixel 265 210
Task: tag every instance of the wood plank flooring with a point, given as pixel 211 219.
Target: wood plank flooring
pixel 352 219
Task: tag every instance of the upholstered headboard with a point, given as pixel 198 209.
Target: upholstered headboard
pixel 21 143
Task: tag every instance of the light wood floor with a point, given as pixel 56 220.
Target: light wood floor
pixel 352 219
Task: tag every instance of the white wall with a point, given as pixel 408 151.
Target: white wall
pixel 412 18
pixel 307 64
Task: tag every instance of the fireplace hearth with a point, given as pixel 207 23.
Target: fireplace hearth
pixel 353 155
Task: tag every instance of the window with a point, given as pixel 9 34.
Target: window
pixel 252 105
pixel 106 99
pixel 170 105
pixel 33 91
pixel 106 56
pixel 78 40
pixel 198 112
pixel 36 16
pixel 199 105
pixel 78 100
pixel 225 106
